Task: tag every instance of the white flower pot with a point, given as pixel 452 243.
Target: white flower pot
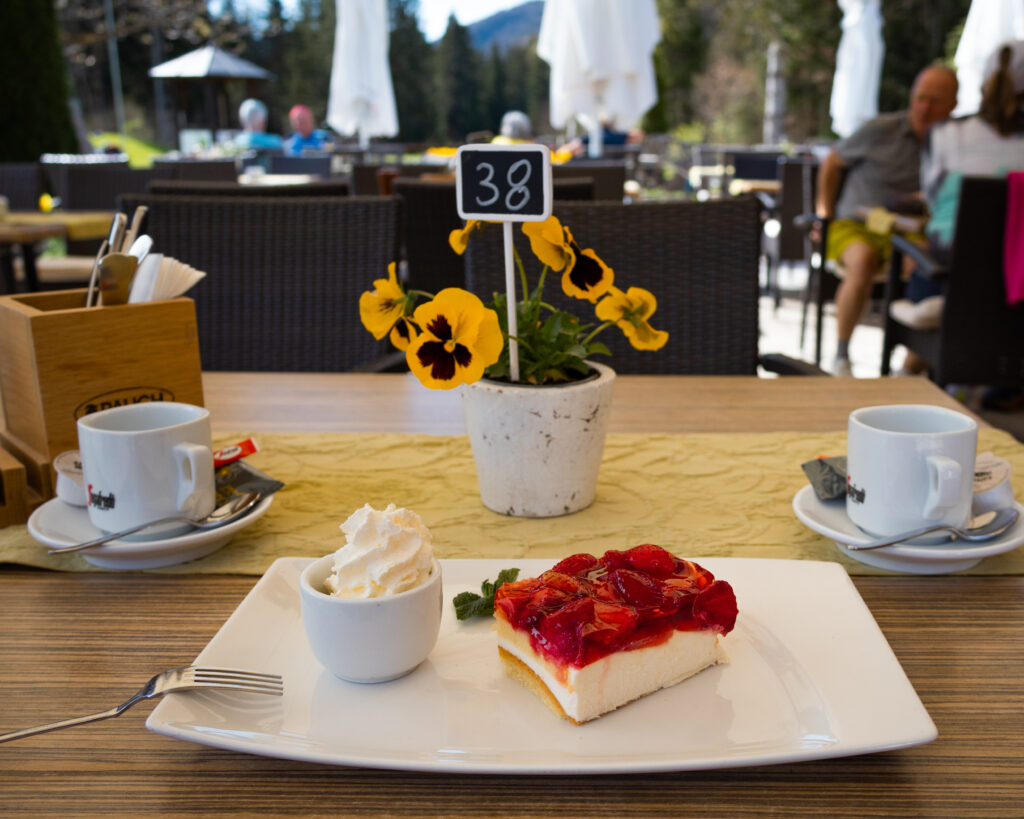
pixel 538 449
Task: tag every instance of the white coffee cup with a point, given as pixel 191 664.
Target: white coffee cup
pixel 908 466
pixel 142 462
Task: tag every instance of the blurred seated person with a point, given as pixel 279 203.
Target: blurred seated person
pixel 305 136
pixel 881 161
pixel 516 129
pixel 609 136
pixel 990 143
pixel 253 116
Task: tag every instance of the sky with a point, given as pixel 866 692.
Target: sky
pixel 433 13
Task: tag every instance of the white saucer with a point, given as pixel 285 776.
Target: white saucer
pixel 829 518
pixel 56 524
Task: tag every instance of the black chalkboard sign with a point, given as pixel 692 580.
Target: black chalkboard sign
pixel 504 183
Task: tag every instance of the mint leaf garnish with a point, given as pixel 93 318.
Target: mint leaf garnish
pixel 468 604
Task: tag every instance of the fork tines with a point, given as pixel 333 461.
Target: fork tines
pixel 238 678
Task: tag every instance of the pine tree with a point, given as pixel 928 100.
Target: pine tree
pixel 306 63
pixel 412 73
pixel 495 102
pixel 458 84
pixel 33 84
pixel 679 57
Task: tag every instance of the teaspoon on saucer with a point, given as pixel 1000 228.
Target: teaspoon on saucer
pixel 979 531
pixel 232 510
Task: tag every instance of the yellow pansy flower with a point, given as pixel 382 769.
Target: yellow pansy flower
pixel 459 338
pixel 551 242
pixel 459 237
pixel 381 307
pixel 402 334
pixel 589 278
pixel 630 312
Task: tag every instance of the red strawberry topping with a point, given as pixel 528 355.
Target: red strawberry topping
pixel 585 608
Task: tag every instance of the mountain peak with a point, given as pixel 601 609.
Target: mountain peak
pixel 512 27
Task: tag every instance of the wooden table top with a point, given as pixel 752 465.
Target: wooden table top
pixel 71 644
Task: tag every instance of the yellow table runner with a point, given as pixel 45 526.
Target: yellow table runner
pixel 697 495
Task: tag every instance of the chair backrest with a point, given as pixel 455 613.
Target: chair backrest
pixel 573 189
pixel 431 213
pixel 797 176
pixel 754 164
pixel 699 259
pixel 210 170
pixel 21 183
pixel 189 187
pixel 284 275
pixel 315 164
pixel 90 186
pixel 364 179
pixel 609 176
pixel 981 337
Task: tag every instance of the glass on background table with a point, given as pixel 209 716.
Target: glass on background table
pixel 73 642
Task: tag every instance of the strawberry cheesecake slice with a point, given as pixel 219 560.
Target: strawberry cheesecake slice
pixel 592 634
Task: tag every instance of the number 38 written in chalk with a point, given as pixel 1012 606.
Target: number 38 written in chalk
pixel 504 183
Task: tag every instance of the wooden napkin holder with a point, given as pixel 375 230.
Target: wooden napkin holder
pixel 60 360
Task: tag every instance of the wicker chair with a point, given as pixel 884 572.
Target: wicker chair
pixel 980 339
pixel 284 276
pixel 188 187
pixel 609 176
pixel 313 164
pixel 97 186
pixel 364 179
pixel 210 170
pixel 430 214
pixel 21 183
pixel 700 260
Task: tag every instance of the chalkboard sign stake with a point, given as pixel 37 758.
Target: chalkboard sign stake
pixel 510 295
pixel 507 184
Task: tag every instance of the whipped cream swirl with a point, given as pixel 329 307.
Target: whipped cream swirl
pixel 386 552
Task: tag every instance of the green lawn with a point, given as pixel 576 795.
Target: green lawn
pixel 140 154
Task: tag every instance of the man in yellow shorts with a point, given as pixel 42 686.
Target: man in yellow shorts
pixel 882 161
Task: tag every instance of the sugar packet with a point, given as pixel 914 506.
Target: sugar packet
pixel 827 476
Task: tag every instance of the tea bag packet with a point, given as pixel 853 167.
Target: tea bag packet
pixel 992 489
pixel 238 478
pixel 827 476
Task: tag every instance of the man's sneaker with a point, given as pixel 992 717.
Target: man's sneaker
pixel 842 369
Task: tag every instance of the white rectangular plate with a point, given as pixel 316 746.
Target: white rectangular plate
pixel 810 676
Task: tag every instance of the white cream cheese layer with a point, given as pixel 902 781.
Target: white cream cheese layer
pixel 618 678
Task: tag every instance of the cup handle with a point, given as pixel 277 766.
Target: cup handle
pixel 943 485
pixel 195 470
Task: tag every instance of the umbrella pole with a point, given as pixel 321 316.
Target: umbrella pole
pixel 510 294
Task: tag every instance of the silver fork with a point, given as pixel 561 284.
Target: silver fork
pixel 177 679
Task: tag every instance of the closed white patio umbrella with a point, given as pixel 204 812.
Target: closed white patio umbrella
pixel 990 23
pixel 362 99
pixel 601 65
pixel 858 66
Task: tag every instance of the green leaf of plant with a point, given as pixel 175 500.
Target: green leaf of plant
pixel 468 604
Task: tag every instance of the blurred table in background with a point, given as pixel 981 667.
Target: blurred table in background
pixel 74 224
pixel 24 237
